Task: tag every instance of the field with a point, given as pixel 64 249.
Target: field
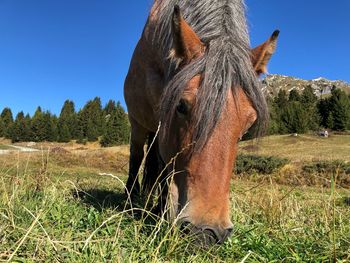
pixel 66 203
pixel 302 148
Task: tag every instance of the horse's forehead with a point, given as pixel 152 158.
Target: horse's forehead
pixel 190 91
pixel 237 100
pixel 194 83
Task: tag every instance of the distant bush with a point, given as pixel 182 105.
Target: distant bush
pixel 82 141
pixel 259 164
pixel 336 166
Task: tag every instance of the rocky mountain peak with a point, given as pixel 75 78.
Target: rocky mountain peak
pixel 272 84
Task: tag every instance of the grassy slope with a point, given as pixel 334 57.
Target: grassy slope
pixel 55 207
pixel 302 148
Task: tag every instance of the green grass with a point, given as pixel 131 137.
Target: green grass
pixel 5 147
pixel 57 208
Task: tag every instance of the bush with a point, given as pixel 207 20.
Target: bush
pixel 336 166
pixel 259 164
pixel 82 141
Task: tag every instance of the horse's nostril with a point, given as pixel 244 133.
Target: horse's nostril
pixel 228 232
pixel 220 235
pixel 206 235
pixel 186 227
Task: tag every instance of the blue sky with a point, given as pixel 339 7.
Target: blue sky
pixel 55 50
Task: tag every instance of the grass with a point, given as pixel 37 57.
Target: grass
pixel 55 207
pixel 302 148
pixel 5 147
pixel 303 151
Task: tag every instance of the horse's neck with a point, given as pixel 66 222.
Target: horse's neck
pixel 149 38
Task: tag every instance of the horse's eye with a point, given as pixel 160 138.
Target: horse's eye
pixel 182 107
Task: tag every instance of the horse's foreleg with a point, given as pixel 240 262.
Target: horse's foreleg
pixel 151 171
pixel 138 138
pixel 154 181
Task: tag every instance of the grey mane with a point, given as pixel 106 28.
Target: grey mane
pixel 221 25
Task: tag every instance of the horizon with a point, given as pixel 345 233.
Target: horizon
pixel 104 103
pixel 79 50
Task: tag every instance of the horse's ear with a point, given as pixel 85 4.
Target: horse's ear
pixel 187 44
pixel 262 54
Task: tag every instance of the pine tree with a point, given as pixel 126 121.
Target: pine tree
pixel 117 128
pixel 91 120
pixel 324 112
pixel 20 129
pixel 91 131
pixel 274 123
pixel 308 96
pixel 81 127
pixel 124 127
pixel 67 122
pixel 2 128
pixel 28 124
pixel 295 118
pixel 282 99
pixel 64 133
pixel 109 108
pixel 38 126
pixel 98 116
pixel 49 127
pixel 308 100
pixel 54 123
pixel 348 112
pixel 330 121
pixel 111 135
pixel 339 106
pixel 7 119
pixel 17 128
pixel 294 95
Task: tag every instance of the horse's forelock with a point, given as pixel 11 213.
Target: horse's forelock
pixel 221 25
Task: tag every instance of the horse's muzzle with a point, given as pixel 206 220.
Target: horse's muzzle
pixel 206 235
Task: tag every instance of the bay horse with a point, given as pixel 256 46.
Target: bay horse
pixel 192 91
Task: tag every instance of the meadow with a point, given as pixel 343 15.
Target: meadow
pixel 66 203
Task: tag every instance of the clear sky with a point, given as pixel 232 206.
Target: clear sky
pixel 55 50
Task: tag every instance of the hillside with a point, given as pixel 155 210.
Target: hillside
pixel 273 83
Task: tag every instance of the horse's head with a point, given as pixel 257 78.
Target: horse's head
pixel 200 188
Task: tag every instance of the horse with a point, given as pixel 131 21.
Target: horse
pixel 192 91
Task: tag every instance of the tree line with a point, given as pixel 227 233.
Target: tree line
pixel 109 124
pixel 291 112
pixel 296 112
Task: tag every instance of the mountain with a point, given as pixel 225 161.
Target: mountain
pixel 273 83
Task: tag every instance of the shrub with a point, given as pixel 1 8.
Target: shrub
pixel 336 166
pixel 82 141
pixel 259 164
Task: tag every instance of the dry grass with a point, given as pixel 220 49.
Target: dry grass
pixel 304 148
pixel 5 147
pixel 69 146
pixel 301 150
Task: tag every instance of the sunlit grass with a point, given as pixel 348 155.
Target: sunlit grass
pixel 5 147
pixel 57 208
pixel 302 148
